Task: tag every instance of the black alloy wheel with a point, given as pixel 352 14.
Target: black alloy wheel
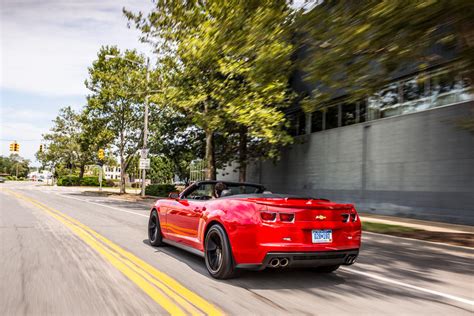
pixel 154 230
pixel 218 254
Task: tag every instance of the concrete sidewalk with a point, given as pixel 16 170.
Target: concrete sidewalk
pixel 417 224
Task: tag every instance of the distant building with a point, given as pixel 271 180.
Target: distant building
pixel 40 176
pixel 112 173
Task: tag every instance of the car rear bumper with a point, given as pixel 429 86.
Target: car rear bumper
pixel 304 259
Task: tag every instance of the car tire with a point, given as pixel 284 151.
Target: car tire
pixel 154 230
pixel 218 254
pixel 327 269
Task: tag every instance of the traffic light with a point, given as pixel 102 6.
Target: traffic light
pixel 41 148
pixel 15 147
pixel 101 154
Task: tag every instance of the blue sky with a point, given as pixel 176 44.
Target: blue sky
pixel 46 47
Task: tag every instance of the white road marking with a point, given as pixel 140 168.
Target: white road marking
pixel 370 275
pixel 103 205
pixel 419 240
pixel 413 287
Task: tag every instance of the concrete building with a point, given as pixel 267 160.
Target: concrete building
pixel 402 152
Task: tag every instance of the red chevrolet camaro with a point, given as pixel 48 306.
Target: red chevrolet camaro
pixel 241 226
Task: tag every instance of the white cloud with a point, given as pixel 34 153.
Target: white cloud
pixel 45 49
pixel 46 46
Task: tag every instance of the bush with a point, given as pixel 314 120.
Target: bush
pixel 74 181
pixel 160 190
pixel 91 181
pixel 68 181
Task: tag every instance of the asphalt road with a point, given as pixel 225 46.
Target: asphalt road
pixel 69 254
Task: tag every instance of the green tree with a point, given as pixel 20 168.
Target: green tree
pixel 161 170
pixel 223 64
pixel 117 96
pixel 357 46
pixel 72 142
pixel 10 165
pixel 174 137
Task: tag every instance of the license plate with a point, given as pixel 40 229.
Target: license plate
pixel 322 236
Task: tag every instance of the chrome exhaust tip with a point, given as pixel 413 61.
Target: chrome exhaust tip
pixel 350 259
pixel 275 263
pixel 284 262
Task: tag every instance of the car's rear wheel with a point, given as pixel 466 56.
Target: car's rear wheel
pixel 218 253
pixel 154 230
pixel 326 269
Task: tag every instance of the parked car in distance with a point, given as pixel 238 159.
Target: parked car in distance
pixel 240 226
pixel 2 179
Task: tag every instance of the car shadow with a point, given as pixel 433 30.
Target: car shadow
pixel 325 287
pixel 408 263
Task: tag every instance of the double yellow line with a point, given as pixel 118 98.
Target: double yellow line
pixel 167 292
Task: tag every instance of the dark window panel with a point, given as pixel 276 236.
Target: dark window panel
pixel 316 121
pixel 301 123
pixel 363 111
pixel 297 122
pixel 332 117
pixel 348 114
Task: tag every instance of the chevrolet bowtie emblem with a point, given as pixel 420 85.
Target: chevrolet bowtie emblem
pixel 320 217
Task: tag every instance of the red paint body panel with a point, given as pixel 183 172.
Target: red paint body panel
pixel 185 222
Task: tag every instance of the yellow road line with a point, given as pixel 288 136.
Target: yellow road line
pixel 134 268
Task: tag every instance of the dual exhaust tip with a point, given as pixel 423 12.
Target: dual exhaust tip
pixel 279 262
pixel 350 259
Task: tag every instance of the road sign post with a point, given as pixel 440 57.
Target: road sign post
pixel 100 178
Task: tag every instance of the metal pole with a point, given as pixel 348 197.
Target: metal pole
pixel 100 178
pixel 145 127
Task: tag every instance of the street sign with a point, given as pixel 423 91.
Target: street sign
pixel 144 153
pixel 144 163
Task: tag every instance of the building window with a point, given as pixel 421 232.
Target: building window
pixel 349 114
pixel 297 123
pixel 316 121
pixel 362 109
pixel 415 93
pixel 332 117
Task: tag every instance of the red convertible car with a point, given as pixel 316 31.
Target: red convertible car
pixel 241 226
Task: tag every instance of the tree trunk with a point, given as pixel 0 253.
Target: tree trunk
pixel 210 156
pixel 81 172
pixel 122 172
pixel 243 154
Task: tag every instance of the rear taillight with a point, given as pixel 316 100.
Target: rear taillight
pixel 268 216
pixel 353 217
pixel 287 217
pixel 346 217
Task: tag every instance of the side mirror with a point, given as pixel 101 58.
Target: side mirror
pixel 174 195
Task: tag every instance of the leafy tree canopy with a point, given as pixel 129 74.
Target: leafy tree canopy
pixel 357 46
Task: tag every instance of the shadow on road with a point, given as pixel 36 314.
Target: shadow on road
pixel 329 287
pixel 401 262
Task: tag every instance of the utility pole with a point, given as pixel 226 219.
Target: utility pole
pixel 145 125
pixel 144 153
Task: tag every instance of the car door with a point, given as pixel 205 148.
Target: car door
pixel 183 218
